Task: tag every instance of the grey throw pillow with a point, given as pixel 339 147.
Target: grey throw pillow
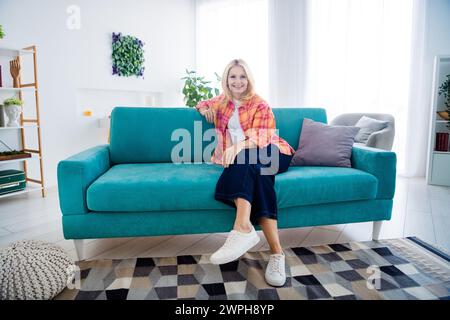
pixel 324 145
pixel 368 126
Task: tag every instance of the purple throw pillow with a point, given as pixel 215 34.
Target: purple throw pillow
pixel 324 145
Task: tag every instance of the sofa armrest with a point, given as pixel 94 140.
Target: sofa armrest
pixel 381 164
pixel 75 175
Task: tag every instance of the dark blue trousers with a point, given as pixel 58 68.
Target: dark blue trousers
pixel 252 177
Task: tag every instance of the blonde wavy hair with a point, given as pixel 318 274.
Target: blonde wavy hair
pixel 250 92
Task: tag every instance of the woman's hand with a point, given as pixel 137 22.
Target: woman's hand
pixel 209 114
pixel 230 154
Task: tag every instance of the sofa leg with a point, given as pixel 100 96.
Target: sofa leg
pixel 376 230
pixel 79 247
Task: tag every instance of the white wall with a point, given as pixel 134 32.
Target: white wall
pixel 438 40
pixel 72 59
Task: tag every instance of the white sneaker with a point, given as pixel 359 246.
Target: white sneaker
pixel 235 246
pixel 275 271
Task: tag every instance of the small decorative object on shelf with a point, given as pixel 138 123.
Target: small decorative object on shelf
pixel 1 82
pixel 13 109
pixel 2 34
pixel 127 56
pixel 87 113
pixel 444 115
pixel 14 69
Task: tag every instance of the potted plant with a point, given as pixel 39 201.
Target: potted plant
pixel 13 109
pixel 196 88
pixel 444 89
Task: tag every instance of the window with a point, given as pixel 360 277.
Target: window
pixel 359 55
pixel 230 29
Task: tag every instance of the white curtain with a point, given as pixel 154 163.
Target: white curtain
pixel 358 59
pixel 287 52
pixel 230 29
pixel 418 112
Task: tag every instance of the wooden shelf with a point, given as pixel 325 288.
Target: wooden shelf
pixel 11 89
pixel 33 157
pixel 11 52
pixel 29 188
pixel 24 127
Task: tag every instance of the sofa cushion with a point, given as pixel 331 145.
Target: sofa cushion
pixel 155 187
pixel 166 186
pixel 309 185
pixel 149 135
pixel 324 145
pixel 368 126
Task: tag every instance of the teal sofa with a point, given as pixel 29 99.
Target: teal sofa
pixel 131 187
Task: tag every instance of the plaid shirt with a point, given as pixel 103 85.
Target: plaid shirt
pixel 257 121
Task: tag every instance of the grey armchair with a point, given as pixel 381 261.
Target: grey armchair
pixel 382 139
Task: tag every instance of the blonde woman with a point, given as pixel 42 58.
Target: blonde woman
pixel 251 154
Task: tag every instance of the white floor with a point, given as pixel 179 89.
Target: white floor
pixel 419 210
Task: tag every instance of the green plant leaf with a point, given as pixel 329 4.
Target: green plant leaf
pixel 196 88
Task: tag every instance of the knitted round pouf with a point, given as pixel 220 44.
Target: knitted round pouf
pixel 33 270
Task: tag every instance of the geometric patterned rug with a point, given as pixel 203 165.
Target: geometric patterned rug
pixel 395 269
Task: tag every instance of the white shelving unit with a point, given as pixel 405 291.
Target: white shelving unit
pixel 21 127
pixel 36 184
pixel 438 168
pixel 8 89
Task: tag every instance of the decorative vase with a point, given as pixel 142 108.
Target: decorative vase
pixel 13 112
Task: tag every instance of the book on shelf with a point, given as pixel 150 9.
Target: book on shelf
pixel 445 141
pixel 442 139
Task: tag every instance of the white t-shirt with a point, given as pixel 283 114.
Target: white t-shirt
pixel 234 125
